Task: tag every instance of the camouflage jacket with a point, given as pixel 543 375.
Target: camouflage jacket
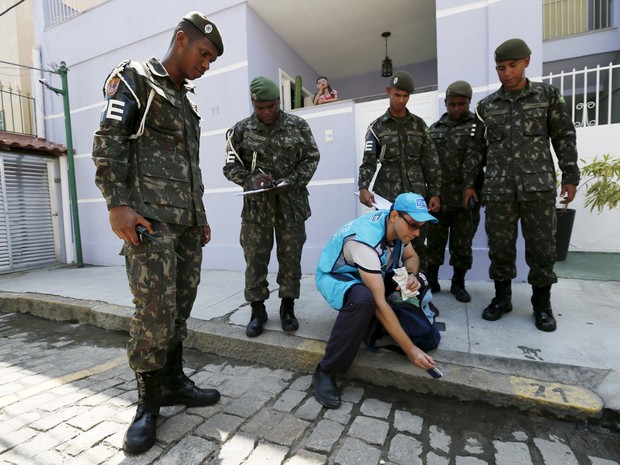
pixel 287 150
pixel 148 159
pixel 409 161
pixel 451 140
pixel 512 139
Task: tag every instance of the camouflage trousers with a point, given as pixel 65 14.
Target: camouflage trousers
pixel 164 289
pixel 257 243
pixel 457 226
pixel 538 225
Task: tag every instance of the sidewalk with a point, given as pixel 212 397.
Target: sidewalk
pixel 573 372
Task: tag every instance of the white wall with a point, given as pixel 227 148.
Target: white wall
pixel 593 231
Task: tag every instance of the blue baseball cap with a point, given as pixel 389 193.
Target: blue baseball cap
pixel 415 206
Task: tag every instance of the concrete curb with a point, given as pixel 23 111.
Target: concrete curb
pixel 537 387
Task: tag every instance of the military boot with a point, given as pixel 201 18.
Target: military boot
pixel 257 320
pixel 458 285
pixel 287 315
pixel 543 314
pixel 140 435
pixel 432 274
pixel 501 303
pixel 177 388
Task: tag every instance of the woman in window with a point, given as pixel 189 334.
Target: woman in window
pixel 324 93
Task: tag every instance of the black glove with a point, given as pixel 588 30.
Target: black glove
pixel 282 186
pixel 262 181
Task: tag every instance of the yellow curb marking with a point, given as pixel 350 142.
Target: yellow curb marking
pixel 556 394
pixel 52 383
pixel 310 345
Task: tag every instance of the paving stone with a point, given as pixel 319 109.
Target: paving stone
pixel 15 438
pixel 324 436
pixel 370 430
pixel 305 457
pixel 341 415
pixel 439 439
pixel 93 436
pixel 376 408
pixel 515 453
pixel 520 436
pixel 289 400
pixel 51 439
pixel 352 394
pixel 469 461
pixel 234 451
pixel 310 409
pixel 277 427
pixel 93 416
pixel 8 424
pixel 62 401
pixel 177 427
pixel 302 383
pixel 599 461
pixel 100 454
pixel 555 452
pixel 219 427
pixel 434 459
pixel 192 450
pixel 405 450
pixel 406 421
pixel 267 454
pixel 248 404
pixel 473 446
pixel 356 452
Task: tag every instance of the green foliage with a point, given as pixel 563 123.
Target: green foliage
pixel 601 179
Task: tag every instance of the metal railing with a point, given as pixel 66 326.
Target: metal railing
pixel 17 112
pixel 563 18
pixel 59 11
pixel 593 95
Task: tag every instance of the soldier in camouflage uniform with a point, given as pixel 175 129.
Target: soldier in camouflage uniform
pixel 399 146
pixel 451 135
pixel 276 151
pixel 514 127
pixel 146 154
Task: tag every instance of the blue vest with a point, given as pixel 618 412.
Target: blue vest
pixel 334 276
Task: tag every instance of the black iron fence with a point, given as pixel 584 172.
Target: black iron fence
pixel 17 111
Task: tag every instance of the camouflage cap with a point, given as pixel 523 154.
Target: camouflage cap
pixel 459 89
pixel 208 28
pixel 512 49
pixel 402 80
pixel 263 89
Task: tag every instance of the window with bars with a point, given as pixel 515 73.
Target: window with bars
pixel 563 18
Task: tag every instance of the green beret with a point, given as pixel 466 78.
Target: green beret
pixel 459 89
pixel 208 28
pixel 513 49
pixel 402 80
pixel 263 89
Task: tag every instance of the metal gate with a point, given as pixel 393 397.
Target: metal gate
pixel 28 220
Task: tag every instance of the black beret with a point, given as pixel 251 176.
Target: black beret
pixel 402 80
pixel 208 28
pixel 512 49
pixel 264 90
pixel 459 89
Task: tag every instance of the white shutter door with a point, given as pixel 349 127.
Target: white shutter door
pixel 28 211
pixel 5 256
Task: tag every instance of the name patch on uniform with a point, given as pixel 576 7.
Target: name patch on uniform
pixel 114 109
pixel 112 86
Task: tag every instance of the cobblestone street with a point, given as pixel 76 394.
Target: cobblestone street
pixel 67 396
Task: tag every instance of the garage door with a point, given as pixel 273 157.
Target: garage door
pixel 28 232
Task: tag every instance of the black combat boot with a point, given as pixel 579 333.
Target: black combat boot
pixel 458 285
pixel 257 320
pixel 287 314
pixel 177 388
pixel 541 303
pixel 501 303
pixel 140 435
pixel 432 274
pixel 325 389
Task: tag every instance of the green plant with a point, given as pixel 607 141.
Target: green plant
pixel 601 180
